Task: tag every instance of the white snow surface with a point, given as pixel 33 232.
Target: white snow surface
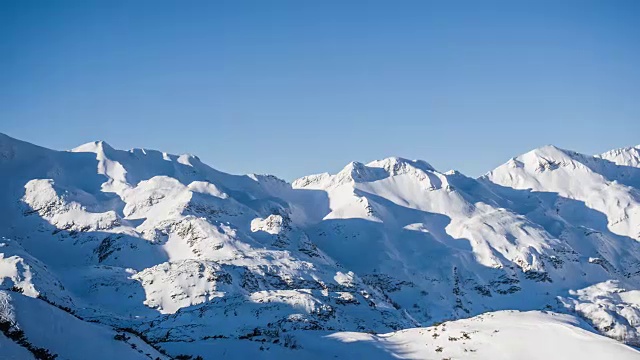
pixel 199 262
pixel 504 335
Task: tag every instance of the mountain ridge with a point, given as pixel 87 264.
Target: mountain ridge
pixel 168 247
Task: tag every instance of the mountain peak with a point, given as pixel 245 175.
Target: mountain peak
pixel 353 171
pixel 357 172
pixel 549 151
pixel 394 164
pixel 629 156
pixel 97 147
pixel 549 157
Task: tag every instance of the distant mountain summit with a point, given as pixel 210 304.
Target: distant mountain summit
pixel 144 254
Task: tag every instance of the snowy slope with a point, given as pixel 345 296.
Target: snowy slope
pixel 463 246
pixel 63 335
pixel 192 258
pixel 498 335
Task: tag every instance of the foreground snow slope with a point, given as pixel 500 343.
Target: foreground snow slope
pixel 193 258
pixel 498 335
pixel 64 335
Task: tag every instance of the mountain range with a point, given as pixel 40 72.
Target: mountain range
pixel 141 254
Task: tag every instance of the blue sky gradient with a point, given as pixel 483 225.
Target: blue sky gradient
pixel 299 87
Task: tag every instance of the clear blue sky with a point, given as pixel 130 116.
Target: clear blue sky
pixel 298 87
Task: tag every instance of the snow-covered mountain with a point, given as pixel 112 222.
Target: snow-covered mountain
pixel 144 254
